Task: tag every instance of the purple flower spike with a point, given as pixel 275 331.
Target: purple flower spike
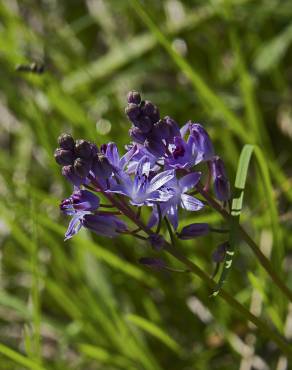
pixel 103 224
pixel 80 200
pixel 155 263
pixel 193 231
pixel 221 183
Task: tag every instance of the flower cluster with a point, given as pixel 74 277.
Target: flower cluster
pixel 158 171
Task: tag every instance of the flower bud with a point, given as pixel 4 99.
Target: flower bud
pixel 66 141
pixel 69 173
pixel 202 141
pixel 155 263
pixel 64 157
pixel 132 111
pixel 83 149
pixel 193 231
pixel 101 166
pixel 105 225
pixel 137 135
pixel 219 253
pixel 155 147
pixel 82 167
pixel 134 97
pixel 222 188
pixel 80 200
pixel 157 241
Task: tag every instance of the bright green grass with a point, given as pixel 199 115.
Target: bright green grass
pixel 87 304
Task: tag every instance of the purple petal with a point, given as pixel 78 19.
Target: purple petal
pixel 172 215
pixel 161 179
pixel 112 154
pixel 189 181
pixel 190 203
pixel 74 226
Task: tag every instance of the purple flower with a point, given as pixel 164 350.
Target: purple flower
pixel 80 200
pixel 144 189
pixel 197 148
pixel 155 263
pixel 193 231
pixel 178 188
pixel 221 182
pixel 103 224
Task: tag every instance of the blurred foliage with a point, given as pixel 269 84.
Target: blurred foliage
pixel 87 304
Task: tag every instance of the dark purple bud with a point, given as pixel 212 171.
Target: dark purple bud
pixel 105 225
pixel 70 174
pixel 220 252
pixel 82 167
pixel 80 200
pixel 218 167
pixel 193 231
pixel 83 149
pixel 64 157
pixel 103 148
pixel 150 110
pixel 202 141
pixel 101 167
pixel 132 111
pixel 172 127
pixel 155 147
pixel 66 141
pixel 157 241
pixel 222 188
pixel 137 135
pixel 134 97
pixel 155 263
pixel 144 123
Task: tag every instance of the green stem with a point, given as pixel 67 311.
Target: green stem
pixel 244 235
pixel 269 333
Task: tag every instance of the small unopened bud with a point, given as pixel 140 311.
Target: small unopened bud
pixel 220 252
pixel 83 149
pixel 66 141
pixel 70 174
pixel 222 188
pixel 137 135
pixel 82 167
pixel 101 166
pixel 64 157
pixel 132 111
pixel 155 147
pixel 150 110
pixel 134 97
pixel 157 241
pixel 193 231
pixel 155 263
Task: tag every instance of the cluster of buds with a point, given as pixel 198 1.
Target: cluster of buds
pixel 148 129
pixel 80 157
pixel 158 172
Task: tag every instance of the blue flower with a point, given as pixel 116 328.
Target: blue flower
pixel 178 188
pixel 221 182
pixel 144 189
pixel 197 148
pixel 81 205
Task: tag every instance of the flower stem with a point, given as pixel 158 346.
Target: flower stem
pixel 285 347
pixel 244 235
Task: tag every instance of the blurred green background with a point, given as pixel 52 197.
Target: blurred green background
pixel 87 303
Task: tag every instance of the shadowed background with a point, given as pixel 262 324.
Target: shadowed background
pixel 87 303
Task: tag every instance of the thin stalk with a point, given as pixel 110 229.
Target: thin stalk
pixel 244 235
pixel 169 229
pixel 157 231
pixel 285 347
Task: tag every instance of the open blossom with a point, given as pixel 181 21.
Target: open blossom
pixel 178 189
pixel 144 189
pixel 157 170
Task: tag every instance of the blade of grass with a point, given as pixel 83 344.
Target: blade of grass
pixel 19 358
